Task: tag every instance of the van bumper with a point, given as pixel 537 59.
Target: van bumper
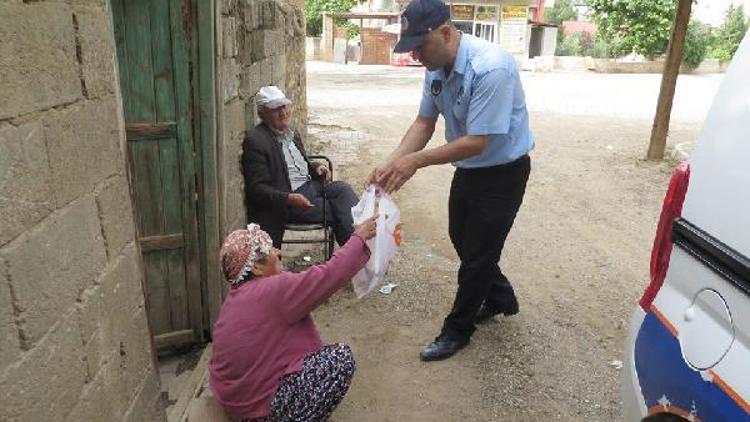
pixel 634 406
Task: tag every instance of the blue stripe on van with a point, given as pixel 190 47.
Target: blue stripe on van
pixel 662 372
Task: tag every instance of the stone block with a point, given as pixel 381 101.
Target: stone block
pixel 97 50
pixel 279 66
pixel 266 72
pixel 235 200
pixel 89 312
pixel 136 357
pixel 105 311
pixel 83 144
pixel 228 6
pixel 37 57
pixel 89 3
pixel 234 195
pixel 250 81
pixel 205 408
pixel 10 345
pixel 270 15
pixel 102 399
pixel 231 79
pixel 46 384
pixel 229 36
pixel 250 14
pixel 274 43
pixel 251 113
pixel 25 191
pixel 52 263
pixel 234 120
pixel 147 405
pixel 296 22
pixel 121 296
pixel 266 43
pixel 116 212
pixel 254 46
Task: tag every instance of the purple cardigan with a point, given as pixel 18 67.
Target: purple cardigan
pixel 264 330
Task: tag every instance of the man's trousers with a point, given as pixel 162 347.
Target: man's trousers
pixel 482 207
pixel 340 200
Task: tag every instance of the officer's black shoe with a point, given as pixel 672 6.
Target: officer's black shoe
pixel 486 312
pixel 442 348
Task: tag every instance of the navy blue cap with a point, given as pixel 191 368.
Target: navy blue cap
pixel 419 18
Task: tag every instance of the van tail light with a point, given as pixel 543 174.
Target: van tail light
pixel 670 211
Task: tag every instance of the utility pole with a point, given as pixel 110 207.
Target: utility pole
pixel 668 81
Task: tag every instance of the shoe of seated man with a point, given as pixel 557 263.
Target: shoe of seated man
pixel 486 312
pixel 443 347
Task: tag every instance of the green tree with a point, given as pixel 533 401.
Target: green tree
pixel 642 26
pixel 729 34
pixel 697 41
pixel 314 10
pixel 563 10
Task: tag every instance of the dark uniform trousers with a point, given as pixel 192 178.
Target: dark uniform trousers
pixel 482 206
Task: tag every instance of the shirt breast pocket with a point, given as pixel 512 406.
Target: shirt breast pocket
pixel 461 108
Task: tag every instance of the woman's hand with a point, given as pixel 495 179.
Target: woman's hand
pixel 367 228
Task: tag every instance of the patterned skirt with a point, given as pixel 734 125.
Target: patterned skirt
pixel 311 395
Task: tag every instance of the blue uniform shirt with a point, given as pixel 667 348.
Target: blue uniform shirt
pixel 482 96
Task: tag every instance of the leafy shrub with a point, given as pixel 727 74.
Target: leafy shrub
pixel 600 49
pixel 569 45
pixel 697 41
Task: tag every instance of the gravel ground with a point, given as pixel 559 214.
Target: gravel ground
pixel 577 256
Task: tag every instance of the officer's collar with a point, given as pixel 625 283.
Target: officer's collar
pixel 462 55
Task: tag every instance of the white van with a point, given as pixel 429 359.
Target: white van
pixel 688 349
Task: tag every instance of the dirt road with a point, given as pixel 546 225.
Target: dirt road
pixel 577 256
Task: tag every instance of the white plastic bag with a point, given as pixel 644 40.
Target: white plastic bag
pixel 384 244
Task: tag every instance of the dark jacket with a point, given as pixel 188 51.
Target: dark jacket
pixel 267 180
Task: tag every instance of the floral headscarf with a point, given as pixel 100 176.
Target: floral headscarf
pixel 242 249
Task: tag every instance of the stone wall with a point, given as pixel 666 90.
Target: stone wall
pixel 655 66
pixel 262 43
pixel 74 337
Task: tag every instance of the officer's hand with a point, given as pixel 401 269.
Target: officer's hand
pixel 397 173
pixel 324 173
pixel 373 177
pixel 298 200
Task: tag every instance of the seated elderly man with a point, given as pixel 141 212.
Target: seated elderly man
pixel 281 184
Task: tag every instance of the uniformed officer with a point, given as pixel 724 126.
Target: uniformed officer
pixel 476 87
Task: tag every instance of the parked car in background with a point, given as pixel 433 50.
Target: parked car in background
pixel 688 349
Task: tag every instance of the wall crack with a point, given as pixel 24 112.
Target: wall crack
pixel 79 57
pixel 19 317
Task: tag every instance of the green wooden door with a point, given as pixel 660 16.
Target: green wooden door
pixel 154 65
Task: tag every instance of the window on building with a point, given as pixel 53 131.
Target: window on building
pixel 485 31
pixel 463 17
pixel 486 13
pixel 464 26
